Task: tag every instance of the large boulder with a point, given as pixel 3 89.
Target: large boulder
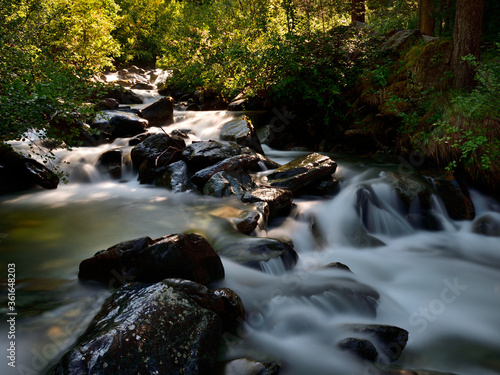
pixel 242 132
pixel 302 172
pixel 160 112
pixel 401 40
pixel 235 164
pixel 186 256
pixel 206 153
pixel 120 124
pixel 124 96
pixel 19 173
pixel 153 156
pixel 148 329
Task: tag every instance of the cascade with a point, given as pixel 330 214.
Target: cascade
pixel 442 285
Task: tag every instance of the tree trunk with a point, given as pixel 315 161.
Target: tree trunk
pixel 358 11
pixel 427 19
pixel 466 40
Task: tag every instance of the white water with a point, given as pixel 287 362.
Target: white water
pixel 443 287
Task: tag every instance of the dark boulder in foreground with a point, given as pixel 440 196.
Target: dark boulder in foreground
pixel 186 256
pixel 149 329
pixel 302 172
pixel 19 173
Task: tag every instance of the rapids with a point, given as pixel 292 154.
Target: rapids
pixel 441 286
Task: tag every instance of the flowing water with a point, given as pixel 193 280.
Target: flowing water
pixel 442 286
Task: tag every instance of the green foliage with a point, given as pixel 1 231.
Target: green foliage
pixel 46 66
pixel 387 15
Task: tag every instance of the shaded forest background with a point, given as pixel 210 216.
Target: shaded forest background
pixel 324 60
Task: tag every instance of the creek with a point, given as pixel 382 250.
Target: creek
pixel 442 286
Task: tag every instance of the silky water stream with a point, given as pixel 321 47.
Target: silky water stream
pixel 442 286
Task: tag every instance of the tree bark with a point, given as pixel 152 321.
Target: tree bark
pixel 358 11
pixel 427 18
pixel 466 40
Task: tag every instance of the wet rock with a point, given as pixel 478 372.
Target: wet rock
pixel 232 165
pixel 363 349
pixel 208 153
pixel 338 266
pixel 142 86
pixel 242 132
pixel 110 162
pixel 176 178
pixel 19 173
pixel 302 172
pixel 223 301
pixel 251 251
pixel 411 190
pixel 279 200
pixel 119 124
pixel 186 256
pixel 456 198
pixel 247 221
pixel 326 187
pixel 107 104
pixel 153 156
pixel 426 220
pixel 245 366
pixel 160 112
pixel 124 96
pixel 488 224
pixel 224 184
pixel 147 329
pixel 389 340
pixel 217 104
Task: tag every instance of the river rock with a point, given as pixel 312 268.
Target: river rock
pixel 224 184
pixel 279 200
pixel 19 173
pixel 487 224
pixel 251 251
pixel 110 162
pixel 242 132
pixel 175 178
pixel 456 198
pixel 119 124
pixel 302 172
pixel 147 329
pixel 160 112
pixel 107 104
pixel 362 348
pixel 186 256
pixel 245 366
pixel 207 153
pixel 124 96
pixel 247 221
pixel 153 156
pixel 232 165
pixel 389 340
pixel 223 301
